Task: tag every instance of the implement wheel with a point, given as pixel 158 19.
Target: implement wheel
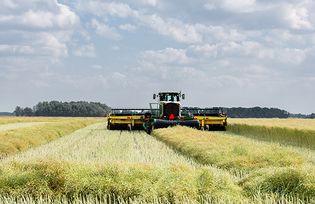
pixel 148 127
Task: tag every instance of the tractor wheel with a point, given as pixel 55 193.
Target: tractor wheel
pixel 148 127
pixel 149 130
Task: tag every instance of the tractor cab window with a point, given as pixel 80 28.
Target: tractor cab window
pixel 169 97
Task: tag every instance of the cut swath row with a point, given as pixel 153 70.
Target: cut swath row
pixel 269 169
pixel 17 139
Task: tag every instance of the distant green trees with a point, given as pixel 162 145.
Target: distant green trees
pixel 96 109
pixel 57 108
pixel 257 112
pixel 23 111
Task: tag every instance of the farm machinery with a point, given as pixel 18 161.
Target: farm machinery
pixel 165 113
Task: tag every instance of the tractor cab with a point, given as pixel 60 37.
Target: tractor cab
pixel 169 104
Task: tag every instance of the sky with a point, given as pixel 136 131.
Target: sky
pixel 230 53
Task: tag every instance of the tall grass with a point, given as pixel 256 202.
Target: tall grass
pixel 58 179
pixel 18 140
pixel 109 199
pixel 282 135
pixel 228 152
pixel 290 181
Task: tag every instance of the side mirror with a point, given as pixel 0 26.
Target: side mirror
pixel 183 96
pixel 154 96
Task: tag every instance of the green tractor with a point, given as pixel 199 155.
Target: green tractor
pixel 168 113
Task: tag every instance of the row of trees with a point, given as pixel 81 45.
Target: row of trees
pixel 57 108
pixel 93 109
pixel 257 112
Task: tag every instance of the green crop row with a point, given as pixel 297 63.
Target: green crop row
pixel 226 151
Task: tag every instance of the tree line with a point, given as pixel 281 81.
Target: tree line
pixel 257 112
pixel 71 109
pixel 96 109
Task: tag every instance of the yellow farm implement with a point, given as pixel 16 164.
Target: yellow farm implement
pixel 168 112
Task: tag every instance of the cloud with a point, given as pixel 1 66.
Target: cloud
pixel 150 2
pixel 6 49
pixel 173 28
pixel 128 27
pixel 176 29
pixel 32 14
pixel 261 14
pixel 237 6
pixel 231 49
pixel 104 30
pixel 100 8
pixel 85 51
pixel 166 56
pixel 297 17
pixel 37 29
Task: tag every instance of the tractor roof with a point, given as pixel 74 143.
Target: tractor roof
pixel 169 92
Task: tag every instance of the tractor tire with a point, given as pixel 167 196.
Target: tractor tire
pixel 148 128
pixel 149 131
pixel 207 127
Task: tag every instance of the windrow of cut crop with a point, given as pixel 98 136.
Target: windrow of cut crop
pixel 275 174
pixel 294 182
pixel 174 184
pixel 18 140
pixel 225 151
pixel 287 136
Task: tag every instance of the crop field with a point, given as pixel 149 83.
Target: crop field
pixel 294 132
pixel 77 160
